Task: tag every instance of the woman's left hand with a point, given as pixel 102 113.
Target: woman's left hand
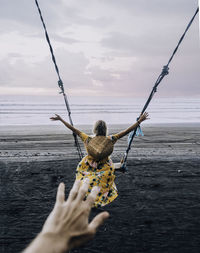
pixel 143 117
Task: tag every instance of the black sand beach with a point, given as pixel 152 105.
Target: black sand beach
pixel 158 208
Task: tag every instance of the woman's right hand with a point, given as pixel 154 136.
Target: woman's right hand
pixel 143 117
pixel 56 118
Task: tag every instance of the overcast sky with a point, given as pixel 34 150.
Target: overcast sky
pixel 102 47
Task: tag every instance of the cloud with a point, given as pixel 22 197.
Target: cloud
pixel 25 12
pixel 159 42
pixel 153 7
pixel 183 79
pixel 102 75
pixel 64 39
pixel 58 15
pixel 58 38
pixel 42 74
pixel 102 47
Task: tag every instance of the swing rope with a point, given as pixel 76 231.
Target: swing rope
pixel 60 82
pixel 165 71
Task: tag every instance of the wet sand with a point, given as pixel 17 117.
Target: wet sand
pixel 158 208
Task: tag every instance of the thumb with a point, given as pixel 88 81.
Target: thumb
pixel 97 221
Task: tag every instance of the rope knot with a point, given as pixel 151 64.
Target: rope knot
pixel 165 70
pixel 60 84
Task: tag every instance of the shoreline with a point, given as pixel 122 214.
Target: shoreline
pixel 61 129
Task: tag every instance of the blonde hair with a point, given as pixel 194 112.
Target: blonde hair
pixel 100 128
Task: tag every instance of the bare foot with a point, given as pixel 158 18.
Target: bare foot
pixel 117 165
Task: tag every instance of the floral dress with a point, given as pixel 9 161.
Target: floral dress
pixel 100 174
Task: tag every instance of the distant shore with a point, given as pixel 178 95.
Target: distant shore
pixel 59 128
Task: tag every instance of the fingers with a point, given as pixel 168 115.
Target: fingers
pixel 74 191
pixel 97 221
pixel 78 193
pixel 60 197
pixel 92 196
pixel 83 190
pixel 144 116
pixel 55 118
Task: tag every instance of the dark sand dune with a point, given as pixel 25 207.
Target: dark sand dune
pixel 158 208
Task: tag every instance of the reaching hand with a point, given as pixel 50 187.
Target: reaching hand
pixel 68 222
pixel 56 118
pixel 143 117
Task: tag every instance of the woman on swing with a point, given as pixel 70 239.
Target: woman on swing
pixel 97 165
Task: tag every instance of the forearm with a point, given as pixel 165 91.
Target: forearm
pixel 128 130
pixel 44 243
pixel 76 131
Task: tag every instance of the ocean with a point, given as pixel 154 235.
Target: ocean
pixel 36 110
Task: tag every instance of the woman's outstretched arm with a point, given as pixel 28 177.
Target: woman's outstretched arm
pixel 75 130
pixel 143 117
